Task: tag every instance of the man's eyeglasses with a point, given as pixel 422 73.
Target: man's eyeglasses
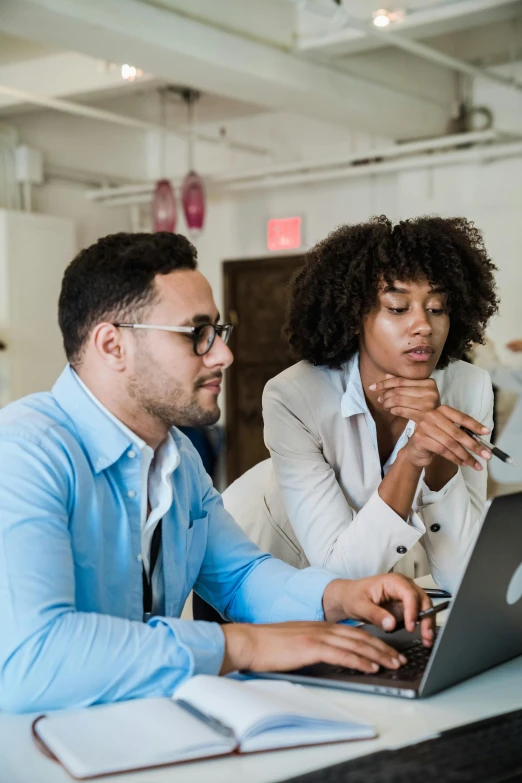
pixel 202 336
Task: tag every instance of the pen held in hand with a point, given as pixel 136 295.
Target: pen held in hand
pixel 496 452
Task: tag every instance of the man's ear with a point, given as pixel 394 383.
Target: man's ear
pixel 109 343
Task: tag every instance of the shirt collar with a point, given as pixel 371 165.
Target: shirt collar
pixel 104 437
pixel 135 439
pixel 353 400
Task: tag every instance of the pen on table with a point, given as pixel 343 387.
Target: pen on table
pixel 489 446
pixel 209 720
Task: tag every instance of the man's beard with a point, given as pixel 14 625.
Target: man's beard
pixel 167 402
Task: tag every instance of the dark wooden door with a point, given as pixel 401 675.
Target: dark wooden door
pixel 255 295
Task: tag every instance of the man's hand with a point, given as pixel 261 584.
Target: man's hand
pixel 379 600
pixel 286 646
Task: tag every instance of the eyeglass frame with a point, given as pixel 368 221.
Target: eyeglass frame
pixel 192 330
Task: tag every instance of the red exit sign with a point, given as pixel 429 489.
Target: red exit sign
pixel 284 233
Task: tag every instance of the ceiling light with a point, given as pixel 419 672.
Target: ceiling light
pixel 130 73
pixel 381 18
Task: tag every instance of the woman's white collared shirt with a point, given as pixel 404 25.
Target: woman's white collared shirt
pixel 316 501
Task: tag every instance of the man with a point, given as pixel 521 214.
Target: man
pixel 108 519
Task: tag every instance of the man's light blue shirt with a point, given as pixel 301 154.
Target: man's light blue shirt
pixel 71 600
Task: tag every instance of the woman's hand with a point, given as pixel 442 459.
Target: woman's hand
pixel 408 399
pixel 437 430
pixel 439 433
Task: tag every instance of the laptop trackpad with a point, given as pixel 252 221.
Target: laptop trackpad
pixel 400 640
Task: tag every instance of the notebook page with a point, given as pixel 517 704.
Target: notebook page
pixel 127 735
pixel 250 707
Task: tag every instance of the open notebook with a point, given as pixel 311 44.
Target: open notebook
pixel 208 716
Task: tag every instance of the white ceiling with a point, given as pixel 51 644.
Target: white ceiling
pixel 250 56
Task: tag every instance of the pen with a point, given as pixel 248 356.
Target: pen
pixel 496 452
pixel 399 626
pixel 210 721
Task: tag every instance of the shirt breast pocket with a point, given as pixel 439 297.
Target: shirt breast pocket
pixel 196 544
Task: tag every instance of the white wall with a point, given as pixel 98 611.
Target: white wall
pixel 34 251
pixel 490 195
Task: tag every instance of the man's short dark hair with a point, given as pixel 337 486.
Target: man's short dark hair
pixel 113 280
pixel 339 282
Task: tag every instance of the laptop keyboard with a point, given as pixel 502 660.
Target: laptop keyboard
pixel 488 751
pixel 417 656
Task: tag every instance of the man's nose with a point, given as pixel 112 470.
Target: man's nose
pixel 219 355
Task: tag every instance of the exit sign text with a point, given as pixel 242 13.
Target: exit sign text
pixel 284 233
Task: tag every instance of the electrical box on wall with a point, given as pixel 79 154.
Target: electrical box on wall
pixel 29 165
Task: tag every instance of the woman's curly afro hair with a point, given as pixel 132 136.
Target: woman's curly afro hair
pixel 339 283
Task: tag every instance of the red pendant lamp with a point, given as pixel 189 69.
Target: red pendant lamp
pixel 193 190
pixel 164 209
pixel 193 200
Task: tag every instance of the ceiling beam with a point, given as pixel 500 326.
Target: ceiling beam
pixel 431 21
pixel 212 60
pixel 63 75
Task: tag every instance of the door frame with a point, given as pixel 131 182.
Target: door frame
pixel 228 269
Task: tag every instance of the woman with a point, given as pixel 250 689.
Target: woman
pixel 371 471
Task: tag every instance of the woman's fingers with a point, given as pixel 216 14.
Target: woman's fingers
pixel 438 442
pixel 397 382
pixel 463 420
pixel 457 434
pixel 396 400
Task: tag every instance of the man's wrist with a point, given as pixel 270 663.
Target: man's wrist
pixel 239 647
pixel 336 599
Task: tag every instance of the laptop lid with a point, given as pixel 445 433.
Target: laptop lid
pixel 484 625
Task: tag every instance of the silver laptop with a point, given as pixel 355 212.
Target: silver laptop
pixel 483 628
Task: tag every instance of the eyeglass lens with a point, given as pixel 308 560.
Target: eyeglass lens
pixel 207 335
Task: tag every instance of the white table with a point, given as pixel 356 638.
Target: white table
pixel 398 721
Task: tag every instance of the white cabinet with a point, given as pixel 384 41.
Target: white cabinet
pixel 34 251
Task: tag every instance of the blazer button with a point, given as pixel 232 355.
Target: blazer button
pixel 401 550
pixel 435 528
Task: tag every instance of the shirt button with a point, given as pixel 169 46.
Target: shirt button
pixel 401 550
pixel 139 558
pixel 435 528
pixel 131 493
pixel 131 454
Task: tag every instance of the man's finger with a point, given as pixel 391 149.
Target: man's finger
pixel 377 615
pixel 367 646
pixel 428 624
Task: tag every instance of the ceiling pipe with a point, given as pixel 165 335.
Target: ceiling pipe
pixel 392 151
pixel 481 154
pixel 391 38
pixel 91 112
pixel 297 167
